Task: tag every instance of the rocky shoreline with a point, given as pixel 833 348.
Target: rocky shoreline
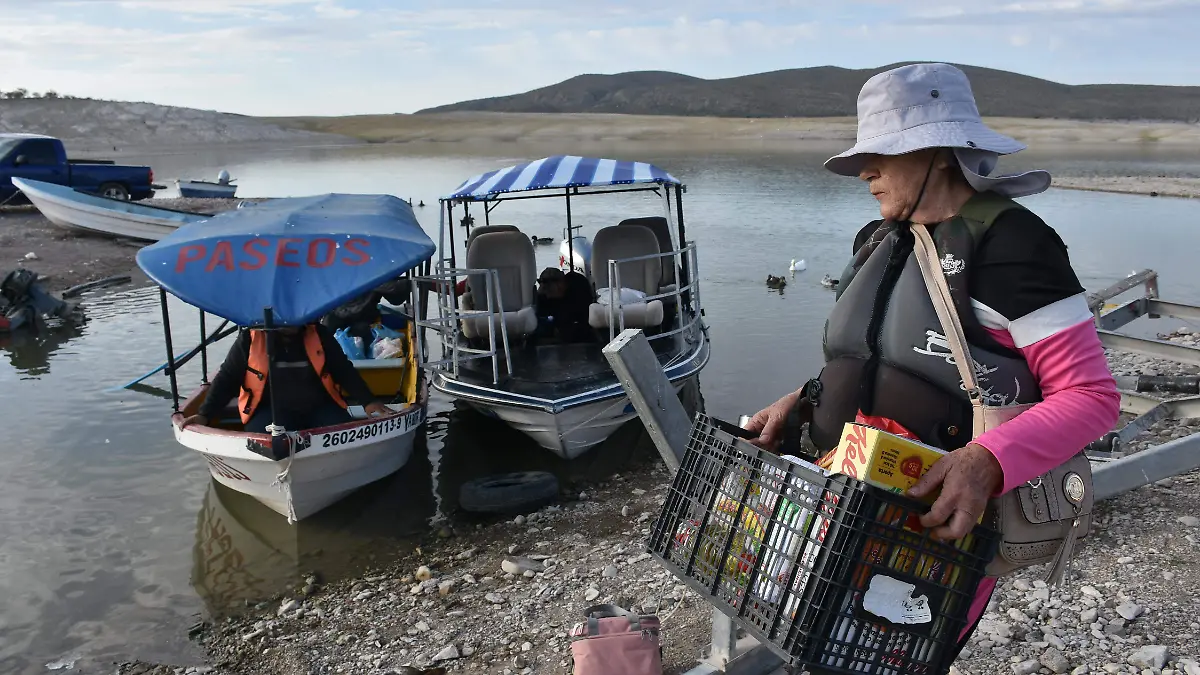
pixel 500 597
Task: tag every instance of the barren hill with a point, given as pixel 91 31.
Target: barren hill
pixel 829 91
pixel 88 124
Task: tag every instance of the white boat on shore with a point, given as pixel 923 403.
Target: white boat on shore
pixel 66 207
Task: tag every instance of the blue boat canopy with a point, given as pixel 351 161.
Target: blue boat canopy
pixel 300 256
pixel 560 172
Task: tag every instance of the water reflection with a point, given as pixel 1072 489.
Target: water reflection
pixel 29 351
pixel 246 553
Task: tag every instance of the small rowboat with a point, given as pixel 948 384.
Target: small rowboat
pixel 204 189
pixel 287 263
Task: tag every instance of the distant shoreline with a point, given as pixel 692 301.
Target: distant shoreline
pixel 537 128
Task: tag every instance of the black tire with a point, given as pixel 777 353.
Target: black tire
pixel 508 492
pixel 115 191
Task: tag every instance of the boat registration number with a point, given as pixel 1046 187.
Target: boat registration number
pixel 384 427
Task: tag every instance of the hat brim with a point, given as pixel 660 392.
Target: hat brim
pixel 959 134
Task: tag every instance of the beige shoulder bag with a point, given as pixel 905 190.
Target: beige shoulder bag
pixel 1039 521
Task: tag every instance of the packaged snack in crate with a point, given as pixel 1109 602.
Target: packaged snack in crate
pixel 795 517
pixel 879 458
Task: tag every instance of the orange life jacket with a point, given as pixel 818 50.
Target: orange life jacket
pixel 256 371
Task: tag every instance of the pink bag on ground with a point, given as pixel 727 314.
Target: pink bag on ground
pixel 614 641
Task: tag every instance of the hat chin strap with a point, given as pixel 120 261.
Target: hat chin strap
pixel 921 194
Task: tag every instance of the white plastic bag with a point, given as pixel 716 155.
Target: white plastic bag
pixel 386 348
pixel 625 296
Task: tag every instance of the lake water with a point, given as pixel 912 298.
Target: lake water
pixel 113 540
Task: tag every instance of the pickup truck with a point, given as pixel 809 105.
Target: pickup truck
pixel 44 158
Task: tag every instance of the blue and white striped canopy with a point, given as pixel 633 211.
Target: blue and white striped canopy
pixel 561 172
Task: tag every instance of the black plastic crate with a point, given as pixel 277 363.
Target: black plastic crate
pixel 828 571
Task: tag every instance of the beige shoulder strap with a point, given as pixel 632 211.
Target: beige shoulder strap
pixel 943 304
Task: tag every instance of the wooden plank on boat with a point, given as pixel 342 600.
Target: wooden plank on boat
pixel 653 396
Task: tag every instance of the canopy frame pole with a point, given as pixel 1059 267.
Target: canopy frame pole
pixel 449 213
pixel 203 350
pixel 570 235
pixel 686 268
pixel 166 318
pixel 270 330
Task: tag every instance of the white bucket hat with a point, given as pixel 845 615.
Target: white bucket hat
pixel 930 105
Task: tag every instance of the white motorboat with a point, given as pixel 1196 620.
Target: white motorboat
pixel 222 188
pixel 496 352
pixel 68 208
pixel 350 243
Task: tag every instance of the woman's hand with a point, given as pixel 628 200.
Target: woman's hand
pixel 968 477
pixel 769 422
pixel 376 409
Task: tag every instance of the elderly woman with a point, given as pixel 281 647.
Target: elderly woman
pixel 926 156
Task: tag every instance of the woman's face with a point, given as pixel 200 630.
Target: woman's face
pixel 895 180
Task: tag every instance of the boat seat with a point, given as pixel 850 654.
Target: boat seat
pixel 662 232
pixel 616 243
pixel 485 229
pixel 511 254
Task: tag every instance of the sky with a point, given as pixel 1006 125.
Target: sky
pixel 337 57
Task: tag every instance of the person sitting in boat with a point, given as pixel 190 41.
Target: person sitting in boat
pixel 310 370
pixel 562 305
pixel 362 312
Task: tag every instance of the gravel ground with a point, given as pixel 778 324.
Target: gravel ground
pixel 500 597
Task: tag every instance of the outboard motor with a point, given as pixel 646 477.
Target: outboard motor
pixel 223 177
pixel 582 259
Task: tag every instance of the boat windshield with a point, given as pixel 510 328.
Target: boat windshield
pixel 7 144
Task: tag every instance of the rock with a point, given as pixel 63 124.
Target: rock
pixel 1130 611
pixel 287 606
pixel 422 627
pixel 610 571
pixel 1018 616
pixel 519 520
pixel 1054 660
pixel 445 588
pixel 494 598
pixel 1191 668
pixel 423 573
pixel 529 574
pixel 1189 521
pixel 591 594
pixel 1022 585
pixel 1090 591
pixel 31 256
pixel 467 554
pixel 518 566
pixel 526 646
pixel 1026 667
pixel 626 512
pixel 1150 656
pixel 1168 576
pixel 1124 560
pixel 1082 670
pixel 449 653
pixel 1088 616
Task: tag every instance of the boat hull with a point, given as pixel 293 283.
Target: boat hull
pixel 206 190
pixel 572 431
pixel 67 208
pixel 332 462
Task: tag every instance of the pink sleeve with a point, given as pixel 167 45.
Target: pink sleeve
pixel 1080 403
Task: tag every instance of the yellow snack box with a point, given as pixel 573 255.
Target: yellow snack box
pixel 884 460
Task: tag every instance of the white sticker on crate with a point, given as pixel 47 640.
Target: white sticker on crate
pixel 892 599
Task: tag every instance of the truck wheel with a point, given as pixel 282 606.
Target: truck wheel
pixel 115 191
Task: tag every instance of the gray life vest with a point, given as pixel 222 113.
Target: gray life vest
pixel 886 353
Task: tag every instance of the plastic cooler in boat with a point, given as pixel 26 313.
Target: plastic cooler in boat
pixel 829 572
